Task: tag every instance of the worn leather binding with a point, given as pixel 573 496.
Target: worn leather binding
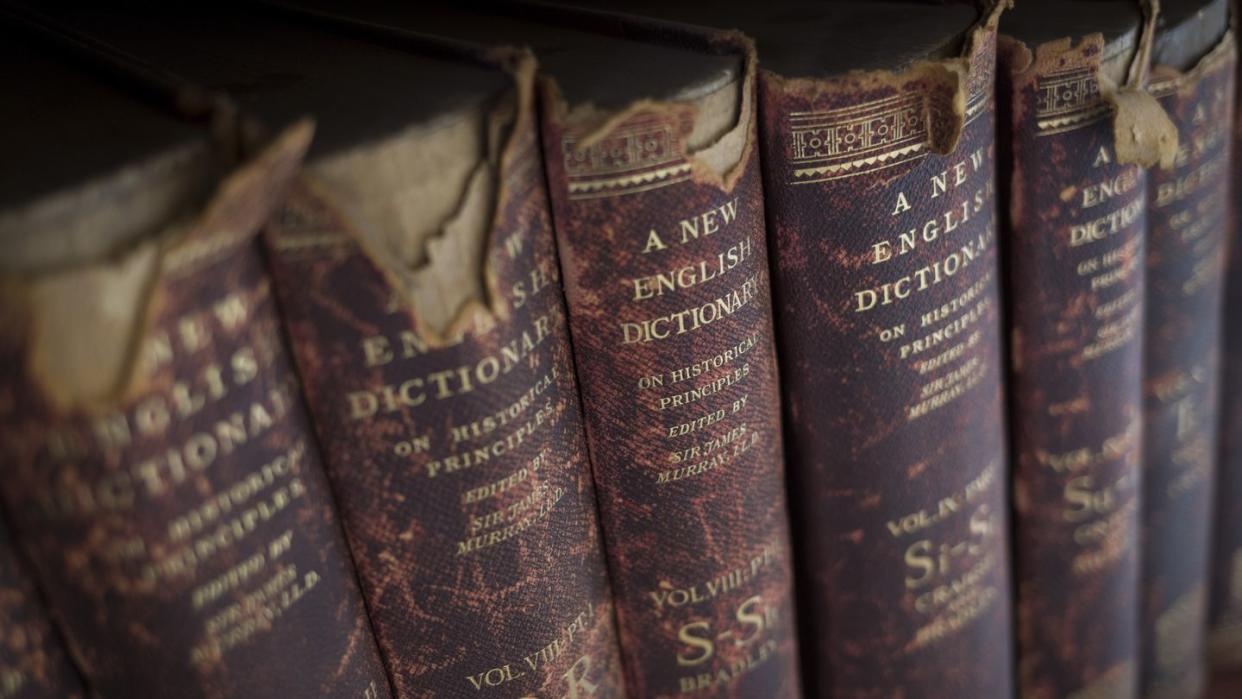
pixel 656 197
pixel 33 663
pixel 882 210
pixel 460 453
pixel 1193 77
pixel 666 273
pixel 468 497
pixel 654 181
pixel 1225 593
pixel 160 470
pixel 1080 129
pixel 896 448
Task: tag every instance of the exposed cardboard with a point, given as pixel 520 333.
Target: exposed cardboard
pixel 422 204
pixel 83 326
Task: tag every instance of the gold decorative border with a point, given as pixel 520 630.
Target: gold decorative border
pixel 1068 100
pixel 638 157
pixel 850 141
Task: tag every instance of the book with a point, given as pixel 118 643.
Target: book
pixel 414 264
pixel 161 476
pixel 33 661
pixel 1193 57
pixel 877 136
pixel 1225 592
pixel 649 144
pixel 879 164
pixel 1079 129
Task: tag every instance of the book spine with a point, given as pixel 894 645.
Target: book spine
pixel 1225 604
pixel 33 662
pixel 1075 261
pixel 1188 221
pixel 888 315
pixel 458 454
pixel 175 514
pixel 666 273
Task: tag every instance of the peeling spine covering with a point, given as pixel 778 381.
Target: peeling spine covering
pixel 1077 219
pixel 457 454
pixel 907 334
pixel 665 263
pixel 178 519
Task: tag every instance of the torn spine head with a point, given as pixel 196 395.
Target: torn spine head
pixel 423 204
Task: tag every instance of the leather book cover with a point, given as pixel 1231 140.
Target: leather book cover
pixel 882 216
pixel 1193 65
pixel 161 473
pixel 443 387
pixel 1079 130
pixel 1225 592
pixel 33 662
pixel 662 243
pixel 879 171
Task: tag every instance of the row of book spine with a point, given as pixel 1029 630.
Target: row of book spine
pixel 959 324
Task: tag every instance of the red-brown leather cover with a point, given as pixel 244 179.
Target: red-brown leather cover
pixel 1186 248
pixel 666 274
pixel 1075 250
pixel 33 663
pixel 1225 603
pixel 183 532
pixel 882 213
pixel 459 461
